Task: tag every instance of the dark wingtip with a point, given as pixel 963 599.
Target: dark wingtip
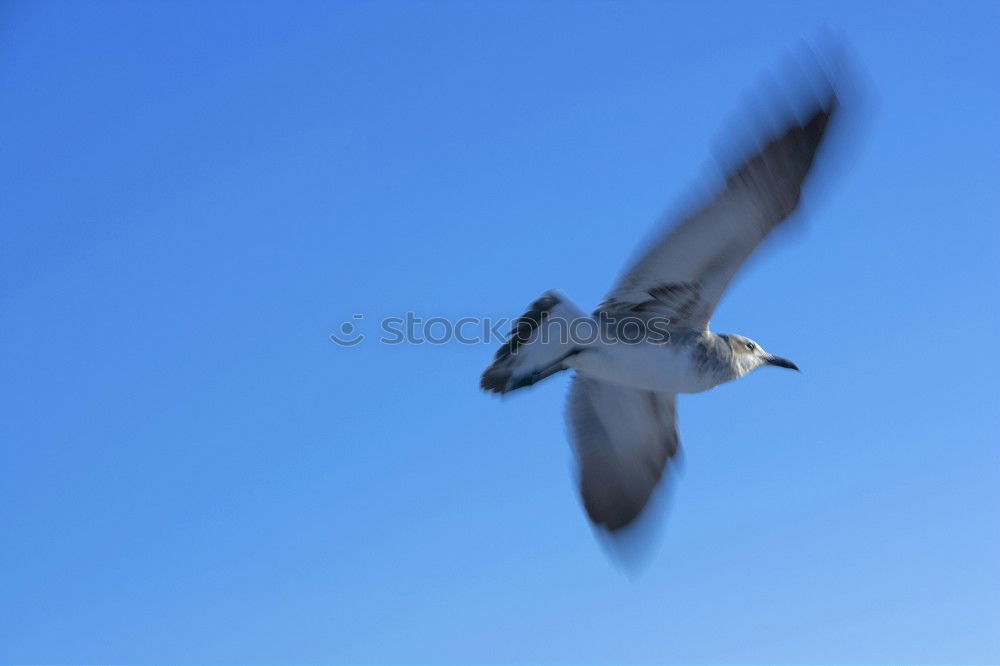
pixel 611 520
pixel 494 382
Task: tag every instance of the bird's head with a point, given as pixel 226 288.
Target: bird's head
pixel 749 355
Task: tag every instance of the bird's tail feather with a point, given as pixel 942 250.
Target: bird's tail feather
pixel 539 344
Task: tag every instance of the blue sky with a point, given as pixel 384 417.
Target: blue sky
pixel 195 195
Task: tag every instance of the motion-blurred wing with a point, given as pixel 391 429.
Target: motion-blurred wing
pixel 623 438
pixel 685 274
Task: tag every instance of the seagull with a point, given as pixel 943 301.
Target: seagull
pixel 649 340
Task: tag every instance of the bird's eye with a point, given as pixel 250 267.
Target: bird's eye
pixel 750 346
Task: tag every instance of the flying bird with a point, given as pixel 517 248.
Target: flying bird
pixel 650 340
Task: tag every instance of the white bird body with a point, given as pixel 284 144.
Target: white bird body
pixel 664 368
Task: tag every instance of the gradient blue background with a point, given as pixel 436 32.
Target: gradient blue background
pixel 195 195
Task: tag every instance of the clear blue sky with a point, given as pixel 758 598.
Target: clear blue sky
pixel 195 195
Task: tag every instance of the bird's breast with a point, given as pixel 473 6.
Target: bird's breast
pixel 664 368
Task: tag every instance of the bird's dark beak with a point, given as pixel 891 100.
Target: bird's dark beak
pixel 781 362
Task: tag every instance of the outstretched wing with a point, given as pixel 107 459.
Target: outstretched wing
pixel 623 438
pixel 685 274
